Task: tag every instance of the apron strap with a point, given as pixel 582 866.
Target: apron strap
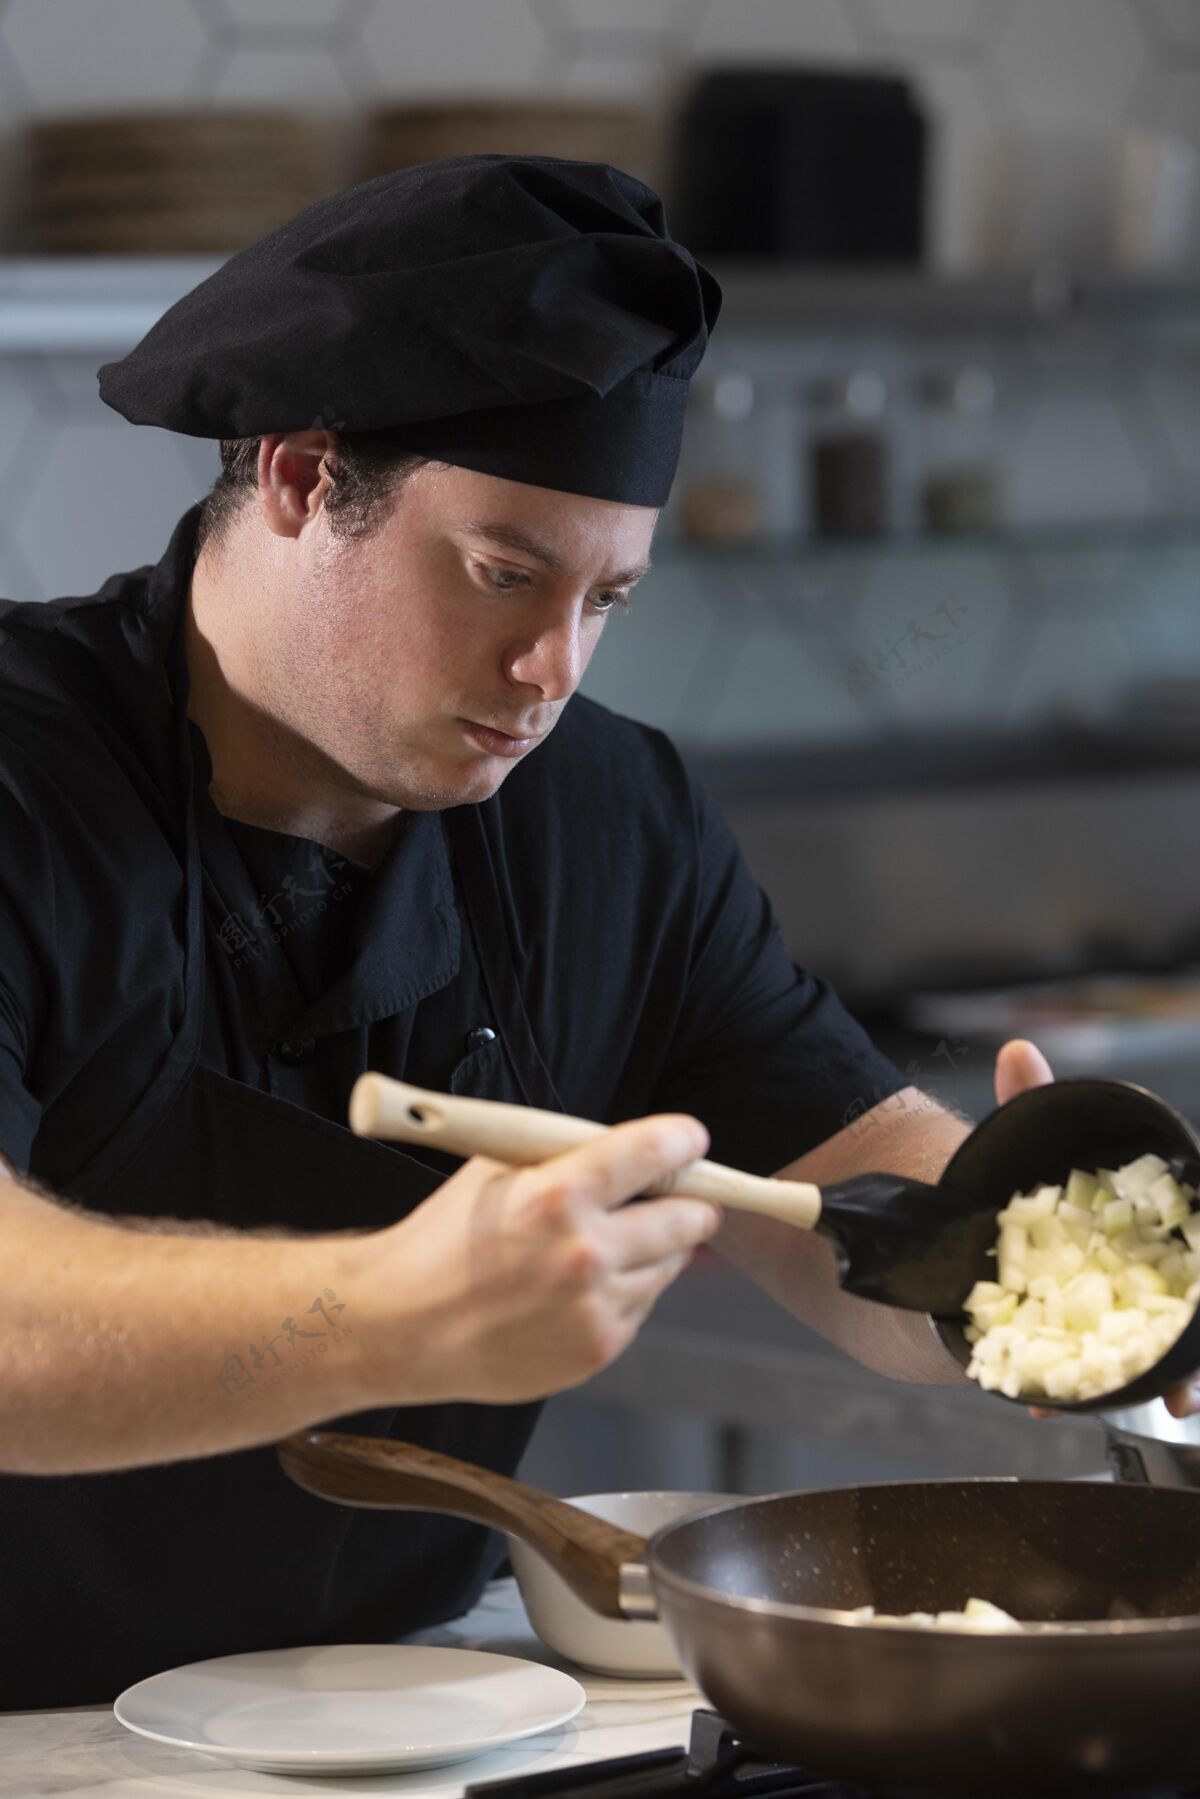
pixel 467 828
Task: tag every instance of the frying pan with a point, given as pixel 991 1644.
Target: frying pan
pixel 1099 1694
pixel 899 1241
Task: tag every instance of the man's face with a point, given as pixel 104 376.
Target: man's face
pixel 477 603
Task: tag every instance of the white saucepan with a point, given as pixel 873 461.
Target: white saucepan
pixel 637 1650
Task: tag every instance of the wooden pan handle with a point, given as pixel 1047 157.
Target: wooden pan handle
pixel 381 1107
pixel 380 1474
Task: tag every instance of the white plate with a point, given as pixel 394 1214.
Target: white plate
pixel 350 1707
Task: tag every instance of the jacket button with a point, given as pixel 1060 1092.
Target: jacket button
pixel 483 1033
pixel 295 1050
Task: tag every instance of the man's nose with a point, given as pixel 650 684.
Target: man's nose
pixel 553 661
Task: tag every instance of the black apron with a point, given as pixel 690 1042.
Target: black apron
pixel 122 1574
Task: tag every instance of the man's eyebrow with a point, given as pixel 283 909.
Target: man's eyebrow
pixel 512 539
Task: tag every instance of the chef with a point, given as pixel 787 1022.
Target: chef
pixel 311 796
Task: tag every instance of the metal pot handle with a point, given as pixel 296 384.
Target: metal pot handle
pixel 1125 1461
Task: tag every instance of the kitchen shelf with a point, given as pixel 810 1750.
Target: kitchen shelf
pixel 1074 538
pixel 916 760
pixel 88 303
pixel 774 295
pixel 85 303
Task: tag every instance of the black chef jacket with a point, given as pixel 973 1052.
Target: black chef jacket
pixel 185 1003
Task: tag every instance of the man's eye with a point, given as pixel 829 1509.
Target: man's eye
pixel 507 578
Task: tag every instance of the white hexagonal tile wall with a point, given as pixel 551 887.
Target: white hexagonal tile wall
pixel 18 580
pixel 287 76
pixel 777 668
pixel 621 78
pixel 1070 60
pixel 28 452
pixel 79 57
pixel 16 98
pixel 1178 105
pixel 1161 630
pixel 925 637
pixel 965 131
pixel 1173 390
pixel 95 475
pixel 951 21
pixel 646 664
pixel 1074 459
pixel 16 413
pixel 201 460
pixel 767 30
pixel 626 15
pixel 1178 21
pixel 454 47
pixel 1076 663
pixel 292 15
pixel 71 389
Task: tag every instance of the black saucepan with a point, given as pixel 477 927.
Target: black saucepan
pixel 754 1597
pixel 1037 1138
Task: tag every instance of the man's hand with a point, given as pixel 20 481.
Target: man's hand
pixel 508 1284
pixel 1020 1065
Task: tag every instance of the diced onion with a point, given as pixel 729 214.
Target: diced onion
pixel 977 1614
pixel 1094 1282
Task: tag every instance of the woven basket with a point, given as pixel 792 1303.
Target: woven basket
pixel 165 183
pixel 423 131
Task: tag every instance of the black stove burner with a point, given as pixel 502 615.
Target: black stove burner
pixel 716 1764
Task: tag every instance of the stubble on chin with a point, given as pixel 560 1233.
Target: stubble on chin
pixel 433 794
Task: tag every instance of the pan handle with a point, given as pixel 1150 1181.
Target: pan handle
pixel 602 1564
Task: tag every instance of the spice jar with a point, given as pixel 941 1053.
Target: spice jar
pixel 849 470
pixel 961 489
pixel 722 500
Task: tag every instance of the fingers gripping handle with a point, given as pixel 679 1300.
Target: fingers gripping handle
pixel 519 1135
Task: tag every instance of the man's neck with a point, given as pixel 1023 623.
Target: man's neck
pixel 264 774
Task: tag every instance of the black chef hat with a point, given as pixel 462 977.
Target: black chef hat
pixel 524 316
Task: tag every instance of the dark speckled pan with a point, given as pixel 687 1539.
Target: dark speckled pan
pixel 1100 1694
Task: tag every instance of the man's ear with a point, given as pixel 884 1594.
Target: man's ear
pixel 294 478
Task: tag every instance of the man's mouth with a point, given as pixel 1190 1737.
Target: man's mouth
pixel 499 743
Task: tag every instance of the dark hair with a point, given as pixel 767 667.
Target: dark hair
pixel 366 474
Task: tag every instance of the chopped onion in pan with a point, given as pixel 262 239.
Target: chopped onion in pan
pixel 977 1614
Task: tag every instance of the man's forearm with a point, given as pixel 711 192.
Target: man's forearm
pixel 798 1269
pixel 162 1341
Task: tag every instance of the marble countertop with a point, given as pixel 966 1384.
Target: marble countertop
pixel 83 1750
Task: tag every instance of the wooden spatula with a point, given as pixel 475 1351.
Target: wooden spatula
pixel 899 1241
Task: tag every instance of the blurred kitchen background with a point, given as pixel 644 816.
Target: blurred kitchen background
pixel 925 611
